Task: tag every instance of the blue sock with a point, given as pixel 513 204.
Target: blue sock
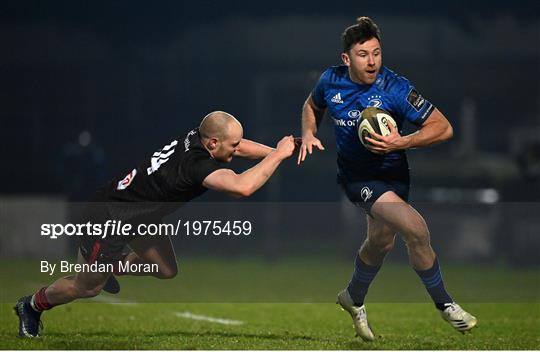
pixel 362 277
pixel 432 279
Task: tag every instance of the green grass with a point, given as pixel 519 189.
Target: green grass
pixel 272 326
pixel 284 305
pixel 297 280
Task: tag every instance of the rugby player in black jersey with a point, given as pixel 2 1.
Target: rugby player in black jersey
pixel 180 171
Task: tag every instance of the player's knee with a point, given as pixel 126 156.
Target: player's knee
pixel 93 292
pixel 380 246
pixel 168 272
pixel 417 234
pixel 387 247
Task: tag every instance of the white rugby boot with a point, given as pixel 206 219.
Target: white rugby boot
pixel 458 318
pixel 358 314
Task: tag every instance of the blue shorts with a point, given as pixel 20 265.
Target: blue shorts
pixel 364 190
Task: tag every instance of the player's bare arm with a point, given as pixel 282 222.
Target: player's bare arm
pixel 311 118
pixel 249 149
pixel 435 129
pixel 246 183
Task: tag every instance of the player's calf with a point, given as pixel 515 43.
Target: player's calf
pixel 421 255
pixel 84 292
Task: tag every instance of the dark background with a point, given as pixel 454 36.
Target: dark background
pixel 90 88
pixel 135 75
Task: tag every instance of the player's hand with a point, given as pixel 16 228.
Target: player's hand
pixel 308 142
pixel 285 147
pixel 386 144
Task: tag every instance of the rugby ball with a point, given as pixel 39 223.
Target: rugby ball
pixel 374 120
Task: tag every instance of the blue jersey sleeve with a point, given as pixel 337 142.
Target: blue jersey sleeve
pixel 317 94
pixel 410 104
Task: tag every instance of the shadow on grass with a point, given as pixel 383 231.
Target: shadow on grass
pixel 169 333
pixel 145 340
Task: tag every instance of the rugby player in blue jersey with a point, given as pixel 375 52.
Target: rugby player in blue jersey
pixel 378 179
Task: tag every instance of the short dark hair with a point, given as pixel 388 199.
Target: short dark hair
pixel 362 31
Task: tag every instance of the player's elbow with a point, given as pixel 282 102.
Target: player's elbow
pixel 245 191
pixel 310 106
pixel 448 133
pixel 241 187
pixel 243 194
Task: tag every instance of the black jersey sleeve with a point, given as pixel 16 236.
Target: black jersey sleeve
pixel 199 166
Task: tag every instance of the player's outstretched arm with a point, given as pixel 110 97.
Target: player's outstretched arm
pixel 311 117
pixel 252 150
pixel 246 183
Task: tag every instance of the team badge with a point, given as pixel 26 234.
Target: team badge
pixel 415 99
pixel 126 181
pixel 375 101
pixel 366 193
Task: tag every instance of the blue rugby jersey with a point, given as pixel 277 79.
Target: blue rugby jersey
pixel 345 99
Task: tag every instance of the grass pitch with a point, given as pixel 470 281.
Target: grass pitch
pixel 505 301
pixel 272 326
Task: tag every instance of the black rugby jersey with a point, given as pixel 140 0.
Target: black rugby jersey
pixel 174 173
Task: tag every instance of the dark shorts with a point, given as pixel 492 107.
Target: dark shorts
pixel 101 209
pixel 94 248
pixel 103 251
pixel 363 191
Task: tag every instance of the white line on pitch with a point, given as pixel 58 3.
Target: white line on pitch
pixel 112 300
pixel 188 315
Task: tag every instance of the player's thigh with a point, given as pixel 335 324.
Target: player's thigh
pixel 398 215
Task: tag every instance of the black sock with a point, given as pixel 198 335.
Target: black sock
pixel 362 277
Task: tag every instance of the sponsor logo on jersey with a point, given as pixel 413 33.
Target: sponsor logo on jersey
pixel 415 100
pixel 126 181
pixel 344 123
pixel 375 101
pixel 354 114
pixel 366 193
pixel 337 99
